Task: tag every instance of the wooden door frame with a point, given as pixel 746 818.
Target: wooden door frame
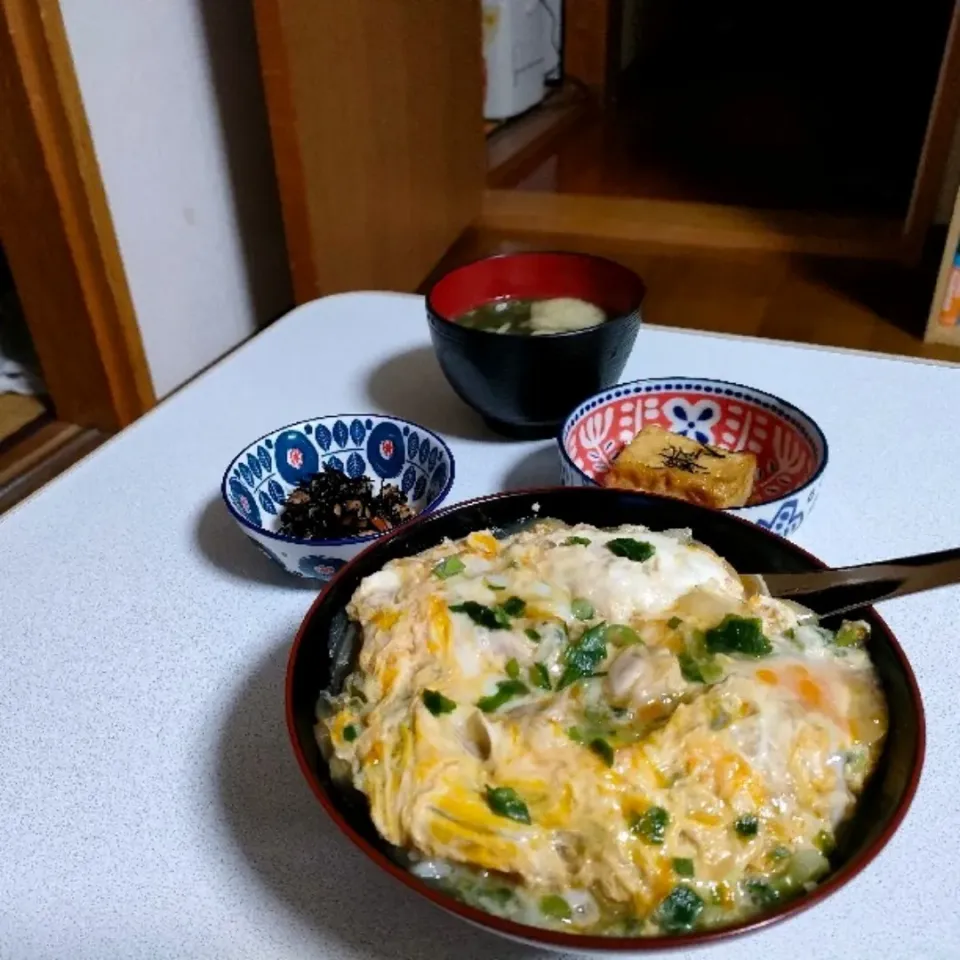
pixel 941 125
pixel 591 44
pixel 57 232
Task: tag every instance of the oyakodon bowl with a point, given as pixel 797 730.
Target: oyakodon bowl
pixel 386 449
pixel 524 386
pixel 326 634
pixel 790 447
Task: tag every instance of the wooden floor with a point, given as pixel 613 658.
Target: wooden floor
pixel 848 303
pixel 16 412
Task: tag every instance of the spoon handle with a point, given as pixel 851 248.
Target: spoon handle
pixel 829 592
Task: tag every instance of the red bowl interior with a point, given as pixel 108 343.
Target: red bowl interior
pixel 531 276
pixel 787 456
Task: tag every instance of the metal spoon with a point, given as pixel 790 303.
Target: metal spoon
pixel 829 592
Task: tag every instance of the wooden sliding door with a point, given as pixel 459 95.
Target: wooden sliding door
pixel 376 118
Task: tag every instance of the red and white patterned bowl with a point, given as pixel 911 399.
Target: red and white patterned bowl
pixel 790 447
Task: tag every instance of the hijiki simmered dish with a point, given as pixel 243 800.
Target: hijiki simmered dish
pixel 602 731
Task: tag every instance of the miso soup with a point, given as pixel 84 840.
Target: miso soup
pixel 534 317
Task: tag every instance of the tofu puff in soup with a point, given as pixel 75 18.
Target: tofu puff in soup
pixel 534 317
pixel 601 730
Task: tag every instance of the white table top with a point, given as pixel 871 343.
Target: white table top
pixel 150 805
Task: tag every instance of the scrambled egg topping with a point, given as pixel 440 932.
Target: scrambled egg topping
pixel 602 729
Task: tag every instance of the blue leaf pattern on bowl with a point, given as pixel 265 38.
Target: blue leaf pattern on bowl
pixel 432 459
pixel 264 457
pixel 335 463
pixel 246 474
pixel 254 465
pixel 413 444
pixel 267 503
pixel 424 450
pixel 322 436
pixel 357 432
pixel 340 434
pixel 243 500
pixel 276 491
pixel 409 479
pixel 355 465
pixel 420 488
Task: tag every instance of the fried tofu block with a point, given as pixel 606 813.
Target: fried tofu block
pixel 658 461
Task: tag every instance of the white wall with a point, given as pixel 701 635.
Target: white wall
pixel 173 97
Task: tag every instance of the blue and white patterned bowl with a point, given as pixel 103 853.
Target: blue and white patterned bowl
pixel 259 479
pixel 790 447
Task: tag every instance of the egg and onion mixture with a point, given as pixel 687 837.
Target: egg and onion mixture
pixel 602 731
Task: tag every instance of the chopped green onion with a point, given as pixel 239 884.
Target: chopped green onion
pixel 679 911
pixel 674 622
pixel 437 703
pixel 538 676
pixel 350 733
pixel 513 668
pixel 582 609
pixel 582 657
pixel 513 606
pixel 747 825
pixel 449 567
pixel 576 542
pixel 689 668
pixel 494 586
pixel 603 750
pixel 506 690
pixel 651 825
pixel 636 550
pixel 576 735
pixel 683 866
pixel 620 635
pixel 506 802
pixel 825 843
pixel 490 617
pixel 695 670
pixel 743 635
pixel 532 634
pixel 851 634
pixel 555 907
pixel 501 896
pixel 761 892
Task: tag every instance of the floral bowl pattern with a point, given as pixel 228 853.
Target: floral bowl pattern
pixel 386 449
pixel 790 448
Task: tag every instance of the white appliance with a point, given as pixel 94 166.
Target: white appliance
pixel 516 40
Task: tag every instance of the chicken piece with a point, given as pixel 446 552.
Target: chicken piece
pixel 641 675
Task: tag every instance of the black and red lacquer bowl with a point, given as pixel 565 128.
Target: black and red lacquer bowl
pixel 525 386
pixel 326 642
